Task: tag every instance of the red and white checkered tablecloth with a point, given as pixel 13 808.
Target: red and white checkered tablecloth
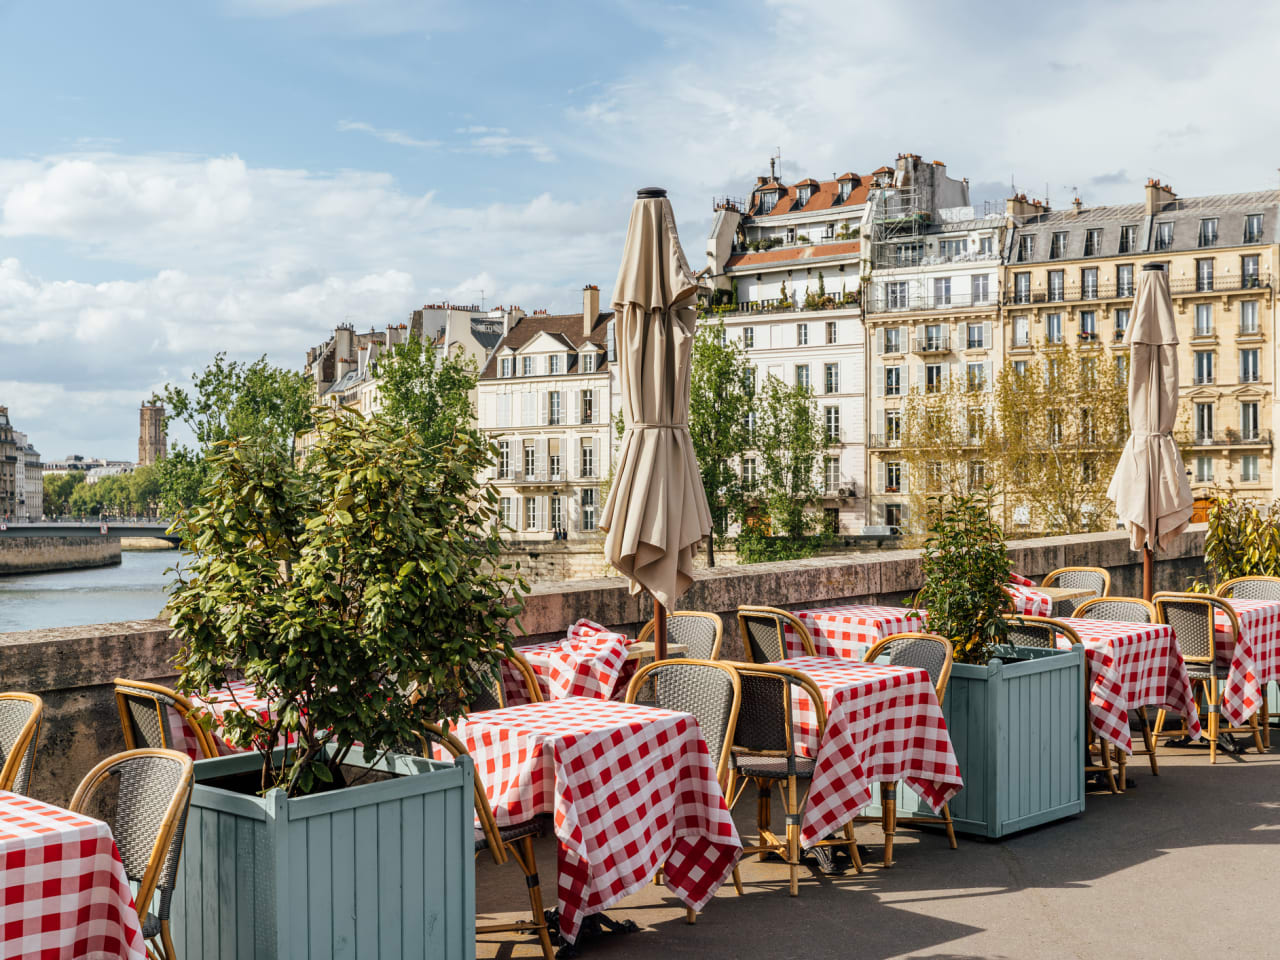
pixel 63 890
pixel 1027 600
pixel 590 662
pixel 238 694
pixel 884 724
pixel 1132 665
pixel 632 788
pixel 850 630
pixel 1255 662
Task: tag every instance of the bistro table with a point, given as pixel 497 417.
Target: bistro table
pixel 884 724
pixel 540 658
pixel 1255 661
pixel 632 789
pixel 236 695
pixel 1057 595
pixel 64 889
pixel 848 631
pixel 1133 665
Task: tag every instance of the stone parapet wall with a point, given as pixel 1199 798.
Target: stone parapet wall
pixel 72 668
pixel 37 554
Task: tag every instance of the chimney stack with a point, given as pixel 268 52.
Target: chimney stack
pixel 1158 195
pixel 1077 204
pixel 590 308
pixel 1020 206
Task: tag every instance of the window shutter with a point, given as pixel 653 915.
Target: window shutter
pixel 903 385
pixel 879 476
pixel 986 335
pixel 597 407
pixel 577 407
pixel 597 468
pixel 879 342
pixel 544 513
pixel 544 407
pixel 906 485
pixel 526 409
pixel 986 375
pixel 541 465
pixel 576 443
pixel 879 381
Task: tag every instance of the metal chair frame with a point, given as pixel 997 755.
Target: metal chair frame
pixel 779 617
pixel 157 695
pixel 646 633
pixel 19 765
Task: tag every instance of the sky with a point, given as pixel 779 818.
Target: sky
pixel 178 179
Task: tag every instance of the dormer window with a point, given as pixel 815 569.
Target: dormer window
pixel 508 367
pixel 846 188
pixel 803 194
pixel 526 366
pixel 553 364
pixel 768 200
pixel 587 359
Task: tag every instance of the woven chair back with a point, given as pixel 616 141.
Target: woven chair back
pixel 699 633
pixel 1094 579
pixel 146 713
pixel 762 636
pixel 19 728
pixel 1024 633
pixel 707 689
pixel 1117 610
pixel 1192 618
pixel 926 651
pixel 1251 588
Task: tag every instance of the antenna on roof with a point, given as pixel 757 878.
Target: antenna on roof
pixel 775 165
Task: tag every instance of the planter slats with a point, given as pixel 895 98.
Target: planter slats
pixel 380 870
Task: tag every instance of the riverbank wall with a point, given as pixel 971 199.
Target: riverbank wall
pixel 40 554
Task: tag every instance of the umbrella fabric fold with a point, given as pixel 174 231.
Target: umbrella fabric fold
pixel 1150 488
pixel 657 513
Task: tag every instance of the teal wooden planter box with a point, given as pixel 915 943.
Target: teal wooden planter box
pixel 1018 732
pixel 377 870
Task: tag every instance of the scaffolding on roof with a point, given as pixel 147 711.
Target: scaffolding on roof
pixel 898 222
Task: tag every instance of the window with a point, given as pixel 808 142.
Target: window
pixel 977 474
pixel 1249 421
pixel 1248 316
pixel 1249 366
pixel 973 336
pixel 1128 239
pixel 1089 283
pixel 749 381
pixel 507 366
pixel 748 337
pixel 507 511
pixel 1022 288
pixel 893 381
pixel 553 364
pixel 587 499
pixel 933 476
pixel 1053 327
pixel 831 474
pixel 1019 368
pixel 557 514
pixel 976 377
pixel 1122 322
pixel 934 338
pixel 1088 325
pixel 908 254
pixel 802 375
pixel 843 192
pixel 587 400
pixel 1026 248
pixel 749 473
pixel 1089 372
pixel 611 341
pixel 950 249
pixel 588 455
pixel 984 246
pixel 720 335
pixel 1124 280
pixel 833 424
pixel 1057 284
pixel 1253 228
pixel 553 408
pixel 504 459
pixel 893 477
pixel 531 513
pixel 749 422
pixel 1021 331
pixel 1249 469
pixel 831 378
pixel 896 295
pixel 1058 245
pixel 1204 319
pixel 893 517
pixel 768 200
pixel 893 338
pixel 832 332
pixel 1204 469
pixel 553 461
pixel 1249 272
pixel 526 366
pixel 588 361
pixel 1204 275
pixel 1164 235
pixel 1055 426
pixel 977 425
pixel 1204 422
pixel 981 286
pixel 1088 470
pixel 530 461
pixel 1208 232
pixel 1122 373
pixel 1093 242
pixel 933 378
pixel 892 427
pixel 802 334
pixel 1204 367
pixel 1051 370
pixel 941 291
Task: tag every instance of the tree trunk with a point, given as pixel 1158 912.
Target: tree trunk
pixel 711 549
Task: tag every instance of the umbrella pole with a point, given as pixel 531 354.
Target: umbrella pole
pixel 1148 573
pixel 659 630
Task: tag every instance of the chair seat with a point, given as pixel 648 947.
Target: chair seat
pixel 150 927
pixel 771 768
pixel 1204 671
pixel 530 828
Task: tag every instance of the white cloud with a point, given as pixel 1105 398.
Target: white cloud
pixel 398 137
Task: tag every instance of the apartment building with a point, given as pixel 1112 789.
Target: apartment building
pixel 548 396
pixel 783 271
pixel 931 305
pixel 1070 278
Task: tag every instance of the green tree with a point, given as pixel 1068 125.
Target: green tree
pixel 430 392
pixel 230 400
pixel 790 440
pixel 721 395
pixel 144 491
pixel 58 488
pixel 85 500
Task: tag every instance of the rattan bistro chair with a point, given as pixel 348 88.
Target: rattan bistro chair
pixel 493 695
pixel 1255 588
pixel 516 840
pixel 152 793
pixel 20 715
pixel 1078 578
pixel 1127 610
pixel 700 633
pixel 1192 616
pixel 763 633
pixel 933 654
pixel 145 717
pixel 763 752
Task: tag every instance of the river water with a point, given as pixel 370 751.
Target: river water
pixel 135 590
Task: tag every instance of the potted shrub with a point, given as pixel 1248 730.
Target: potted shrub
pixel 1016 715
pixel 352 592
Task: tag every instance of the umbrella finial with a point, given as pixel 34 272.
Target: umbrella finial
pixel 1153 266
pixel 651 193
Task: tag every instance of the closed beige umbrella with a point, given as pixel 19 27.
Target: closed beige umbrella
pixel 656 514
pixel 1150 488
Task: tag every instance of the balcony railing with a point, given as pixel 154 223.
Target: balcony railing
pixel 1226 438
pixel 881 441
pixel 778 305
pixel 883 303
pixel 927 344
pixel 1185 286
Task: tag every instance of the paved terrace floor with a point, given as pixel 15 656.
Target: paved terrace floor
pixel 1181 865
